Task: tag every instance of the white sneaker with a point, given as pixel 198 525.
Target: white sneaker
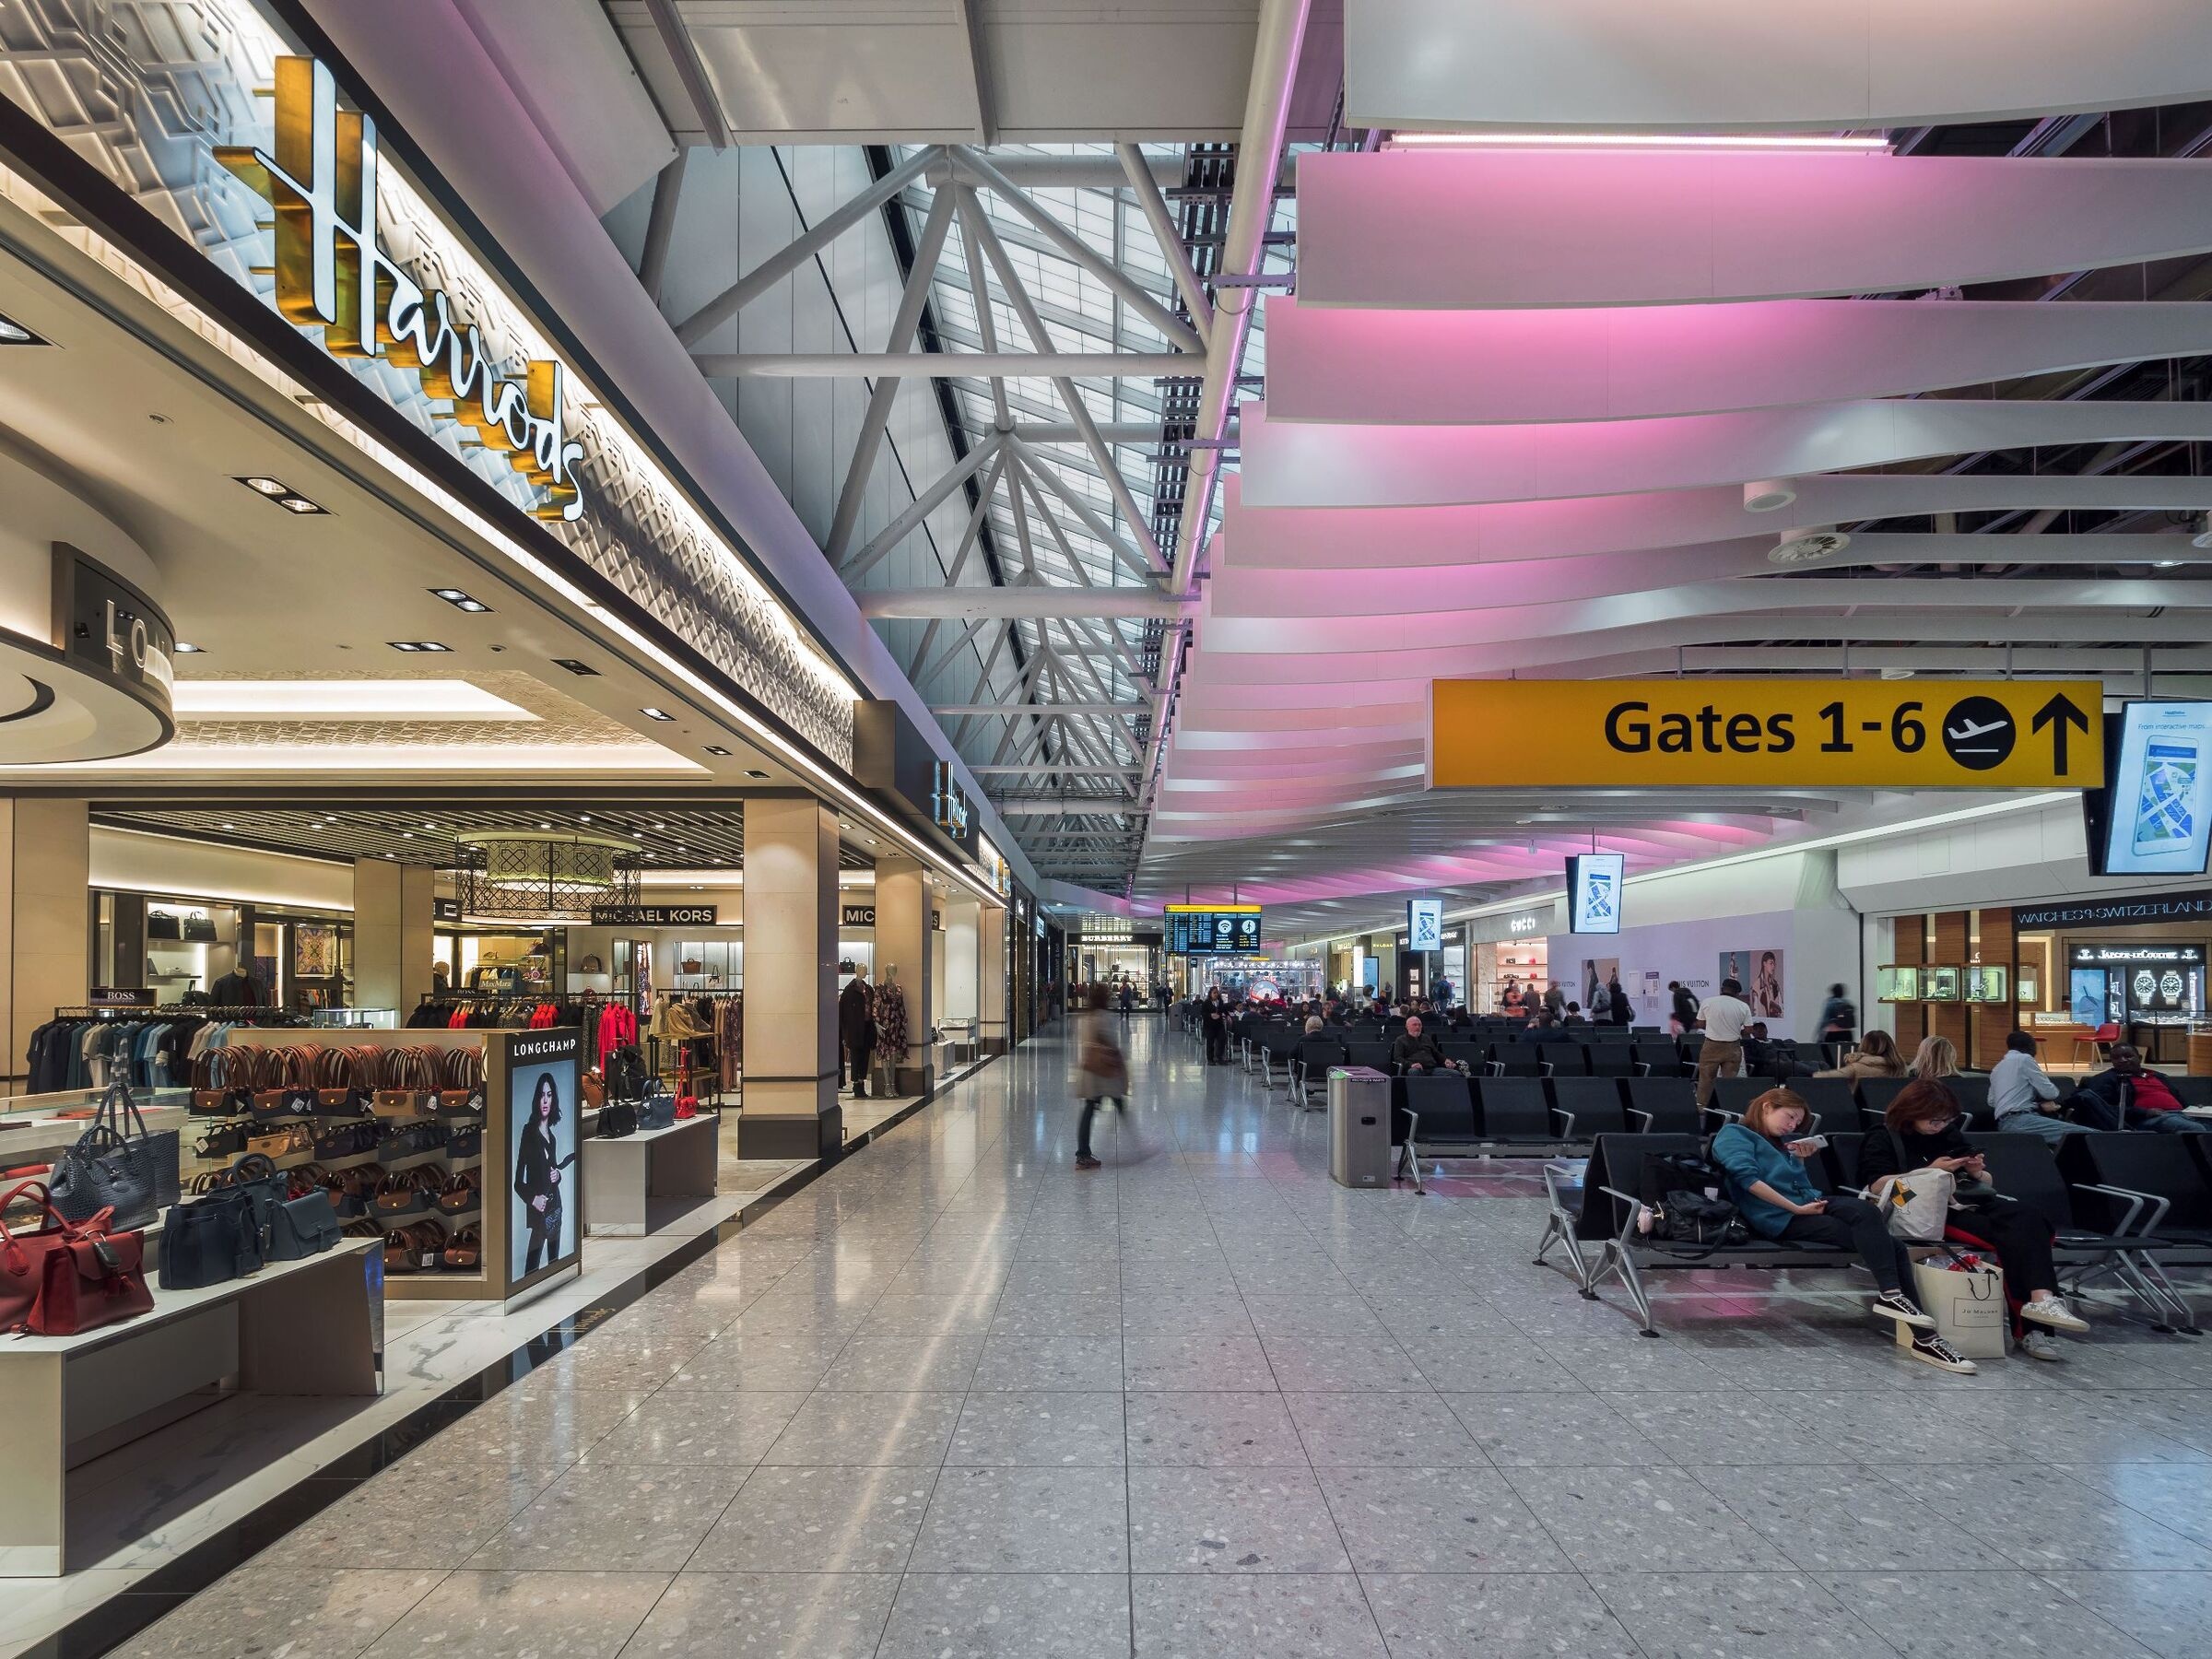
pixel 1894 1304
pixel 2049 1310
pixel 2041 1345
pixel 1940 1354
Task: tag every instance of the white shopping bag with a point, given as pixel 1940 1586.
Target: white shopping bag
pixel 1967 1308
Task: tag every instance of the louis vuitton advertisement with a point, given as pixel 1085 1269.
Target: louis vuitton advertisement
pixel 546 1223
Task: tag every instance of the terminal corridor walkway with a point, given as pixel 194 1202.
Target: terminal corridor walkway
pixel 957 1399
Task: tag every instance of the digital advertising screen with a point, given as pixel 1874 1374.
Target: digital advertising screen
pixel 544 1225
pixel 2087 989
pixel 1424 924
pixel 2154 818
pixel 1594 883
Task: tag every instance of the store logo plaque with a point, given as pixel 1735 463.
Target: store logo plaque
pixel 333 274
pixel 655 915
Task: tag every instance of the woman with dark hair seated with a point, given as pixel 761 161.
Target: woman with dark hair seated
pixel 1765 1156
pixel 1919 1132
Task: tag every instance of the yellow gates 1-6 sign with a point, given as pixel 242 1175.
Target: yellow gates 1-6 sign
pixel 1767 733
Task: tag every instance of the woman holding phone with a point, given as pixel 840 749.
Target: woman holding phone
pixel 1765 1156
pixel 1919 1132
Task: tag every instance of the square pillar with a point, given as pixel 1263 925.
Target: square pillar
pixel 45 917
pixel 902 958
pixel 791 1108
pixel 395 934
pixel 991 980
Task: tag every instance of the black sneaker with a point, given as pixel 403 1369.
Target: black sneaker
pixel 1083 1162
pixel 1935 1352
pixel 1895 1304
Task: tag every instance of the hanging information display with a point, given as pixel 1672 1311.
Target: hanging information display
pixel 1767 733
pixel 1213 929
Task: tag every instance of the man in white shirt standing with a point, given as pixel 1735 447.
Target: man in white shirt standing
pixel 1723 1020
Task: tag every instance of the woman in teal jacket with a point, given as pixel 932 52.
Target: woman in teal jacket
pixel 1765 1158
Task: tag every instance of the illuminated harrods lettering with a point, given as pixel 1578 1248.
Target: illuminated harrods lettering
pixel 332 273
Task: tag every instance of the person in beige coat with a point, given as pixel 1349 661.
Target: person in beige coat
pixel 1877 1057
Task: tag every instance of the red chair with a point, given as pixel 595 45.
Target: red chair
pixel 2101 1041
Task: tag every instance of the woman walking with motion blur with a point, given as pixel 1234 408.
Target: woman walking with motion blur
pixel 1100 1072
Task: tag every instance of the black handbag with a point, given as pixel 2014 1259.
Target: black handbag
pixel 658 1113
pixel 617 1119
pixel 302 1227
pixel 211 1240
pixel 226 1140
pixel 117 1164
pixel 162 925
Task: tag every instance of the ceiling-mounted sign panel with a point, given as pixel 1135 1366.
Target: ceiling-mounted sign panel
pixel 1767 733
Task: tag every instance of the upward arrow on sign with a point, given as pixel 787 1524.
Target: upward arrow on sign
pixel 2060 713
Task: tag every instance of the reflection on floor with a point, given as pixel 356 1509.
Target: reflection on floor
pixel 955 1398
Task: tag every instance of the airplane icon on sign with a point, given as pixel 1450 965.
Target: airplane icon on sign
pixel 1962 734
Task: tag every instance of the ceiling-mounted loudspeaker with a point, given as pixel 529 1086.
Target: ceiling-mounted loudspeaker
pixel 1769 495
pixel 1808 546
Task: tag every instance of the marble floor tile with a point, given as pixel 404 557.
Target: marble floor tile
pixel 818 1519
pixel 1202 1429
pixel 1649 1519
pixel 1008 1616
pixel 525 1616
pixel 1182 1362
pixel 1223 1520
pixel 300 1614
pixel 1538 1431
pixel 868 1428
pixel 1441 1519
pixel 2170 1612
pixel 387 1523
pixel 767 1616
pixel 1499 1616
pixel 665 1509
pixel 905 1360
pixel 1033 1362
pixel 682 1426
pixel 1341 1364
pixel 1025 1520
pixel 1487 1363
pixel 1370 1430
pixel 1040 1429
pixel 1286 1616
pixel 1844 1519
pixel 2048 1518
pixel 1978 1615
pixel 1737 1616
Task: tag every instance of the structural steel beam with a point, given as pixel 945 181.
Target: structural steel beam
pixel 944 365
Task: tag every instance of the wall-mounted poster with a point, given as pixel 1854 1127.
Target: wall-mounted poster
pixel 1596 974
pixel 1760 973
pixel 545 1222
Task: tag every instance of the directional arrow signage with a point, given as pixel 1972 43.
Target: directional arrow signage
pixel 1767 733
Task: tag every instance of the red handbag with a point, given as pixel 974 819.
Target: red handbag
pixel 90 1282
pixel 23 1256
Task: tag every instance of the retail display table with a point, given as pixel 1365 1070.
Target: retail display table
pixel 306 1327
pixel 622 1177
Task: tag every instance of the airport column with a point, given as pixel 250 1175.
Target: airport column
pixel 395 934
pixel 902 957
pixel 791 1108
pixel 991 980
pixel 45 916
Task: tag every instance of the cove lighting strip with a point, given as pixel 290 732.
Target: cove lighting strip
pixel 1740 142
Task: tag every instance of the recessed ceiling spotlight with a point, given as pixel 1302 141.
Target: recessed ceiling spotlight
pixel 416 646
pixel 12 333
pixel 299 504
pixel 277 491
pixel 268 486
pixel 230 826
pixel 1769 495
pixel 755 773
pixel 717 748
pixel 406 835
pixel 656 714
pixel 573 666
pixel 461 601
pixel 184 649
pixel 584 819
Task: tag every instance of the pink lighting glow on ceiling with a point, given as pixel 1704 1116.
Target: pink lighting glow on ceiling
pixel 1645 141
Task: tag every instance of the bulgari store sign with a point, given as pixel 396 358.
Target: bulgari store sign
pixel 205 114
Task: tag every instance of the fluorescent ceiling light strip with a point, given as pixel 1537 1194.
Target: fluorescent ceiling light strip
pixel 344 700
pixel 1663 141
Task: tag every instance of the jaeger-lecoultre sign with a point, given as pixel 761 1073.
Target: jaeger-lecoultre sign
pixel 332 273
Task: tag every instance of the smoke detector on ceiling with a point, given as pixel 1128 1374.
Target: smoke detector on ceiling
pixel 1769 495
pixel 1808 546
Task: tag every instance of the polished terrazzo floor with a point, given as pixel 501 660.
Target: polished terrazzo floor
pixel 956 1399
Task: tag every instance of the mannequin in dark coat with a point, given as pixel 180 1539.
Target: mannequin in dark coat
pixel 856 1029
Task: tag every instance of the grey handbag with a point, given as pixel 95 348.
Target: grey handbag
pixel 117 1164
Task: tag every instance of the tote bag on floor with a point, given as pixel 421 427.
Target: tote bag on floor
pixel 1967 1308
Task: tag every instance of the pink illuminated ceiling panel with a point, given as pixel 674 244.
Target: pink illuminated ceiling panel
pixel 1808 65
pixel 1598 363
pixel 1414 229
pixel 1309 464
pixel 1365 538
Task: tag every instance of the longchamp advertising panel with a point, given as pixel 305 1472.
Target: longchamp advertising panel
pixel 545 1230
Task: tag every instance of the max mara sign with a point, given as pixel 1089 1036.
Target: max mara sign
pixel 332 273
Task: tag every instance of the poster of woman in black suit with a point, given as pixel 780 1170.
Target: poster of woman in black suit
pixel 545 1149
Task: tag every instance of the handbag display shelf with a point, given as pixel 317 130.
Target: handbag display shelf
pixel 636 1183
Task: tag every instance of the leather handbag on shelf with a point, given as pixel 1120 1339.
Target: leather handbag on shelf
pixel 466 1143
pixel 618 1120
pixel 117 1164
pixel 23 1254
pixel 90 1280
pixel 211 1241
pixel 658 1110
pixel 225 1140
pixel 302 1227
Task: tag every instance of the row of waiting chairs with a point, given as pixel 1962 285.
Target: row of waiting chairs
pixel 2128 1204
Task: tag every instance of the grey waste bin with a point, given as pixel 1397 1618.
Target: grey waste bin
pixel 1359 1126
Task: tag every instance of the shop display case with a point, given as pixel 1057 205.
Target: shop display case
pixel 1897 984
pixel 1942 984
pixel 1986 983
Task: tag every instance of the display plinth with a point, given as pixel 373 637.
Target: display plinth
pixel 624 1176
